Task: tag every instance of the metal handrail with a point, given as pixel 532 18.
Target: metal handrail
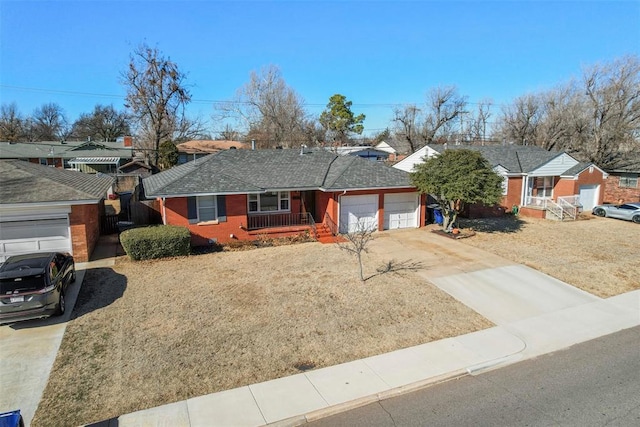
pixel 330 223
pixel 275 220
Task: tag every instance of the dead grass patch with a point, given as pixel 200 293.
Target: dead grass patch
pixel 153 332
pixel 597 255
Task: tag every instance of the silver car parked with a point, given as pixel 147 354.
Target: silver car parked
pixel 627 211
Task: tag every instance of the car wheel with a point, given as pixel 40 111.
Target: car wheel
pixel 636 219
pixel 61 305
pixel 599 212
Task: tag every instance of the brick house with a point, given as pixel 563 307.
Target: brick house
pixel 49 209
pixel 623 184
pixel 539 183
pixel 245 194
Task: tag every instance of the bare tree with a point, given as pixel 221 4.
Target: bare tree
pixel 520 120
pixel 444 105
pixel 11 123
pixel 49 123
pixel 613 98
pixel 478 122
pixel 272 113
pixel 157 96
pixel 408 128
pixel 358 239
pixel 105 123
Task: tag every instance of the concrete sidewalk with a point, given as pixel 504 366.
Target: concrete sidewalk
pixel 557 317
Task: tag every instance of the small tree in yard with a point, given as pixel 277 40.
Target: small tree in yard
pixel 357 242
pixel 455 178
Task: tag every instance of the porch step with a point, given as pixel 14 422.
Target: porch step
pixel 325 236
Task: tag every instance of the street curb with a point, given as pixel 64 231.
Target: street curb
pixel 366 400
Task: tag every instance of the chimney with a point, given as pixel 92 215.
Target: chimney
pixel 128 141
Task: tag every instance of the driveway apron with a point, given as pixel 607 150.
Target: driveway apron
pixel 498 289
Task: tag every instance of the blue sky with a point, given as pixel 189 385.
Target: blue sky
pixel 379 54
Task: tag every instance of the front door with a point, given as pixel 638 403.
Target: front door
pixel 308 199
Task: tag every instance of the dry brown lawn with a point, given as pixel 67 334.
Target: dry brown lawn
pixel 598 255
pixel 153 332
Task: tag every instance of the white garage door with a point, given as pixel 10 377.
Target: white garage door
pixel 589 196
pixel 401 210
pixel 357 211
pixel 40 235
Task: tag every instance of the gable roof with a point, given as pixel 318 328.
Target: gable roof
pixel 257 171
pixel 24 182
pixel 515 159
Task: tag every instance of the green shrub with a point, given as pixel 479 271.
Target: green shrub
pixel 158 241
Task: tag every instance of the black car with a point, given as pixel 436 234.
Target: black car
pixel 35 285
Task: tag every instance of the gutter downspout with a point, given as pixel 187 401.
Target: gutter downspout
pixel 164 211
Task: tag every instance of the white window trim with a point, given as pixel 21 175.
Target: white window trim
pixel 282 195
pixel 628 178
pixel 215 208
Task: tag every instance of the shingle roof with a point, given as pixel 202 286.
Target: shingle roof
pixel 515 158
pixel 253 171
pixel 24 182
pixel 67 150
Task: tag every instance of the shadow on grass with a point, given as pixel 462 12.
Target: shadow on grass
pixel 101 287
pixel 504 224
pixel 394 266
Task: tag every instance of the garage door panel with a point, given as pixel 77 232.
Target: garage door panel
pixel 44 235
pixel 401 210
pixel 589 196
pixel 358 211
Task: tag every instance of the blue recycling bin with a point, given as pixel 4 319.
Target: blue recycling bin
pixel 11 419
pixel 437 216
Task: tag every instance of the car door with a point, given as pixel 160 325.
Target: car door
pixel 623 212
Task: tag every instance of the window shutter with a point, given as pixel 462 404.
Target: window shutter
pixel 222 209
pixel 192 210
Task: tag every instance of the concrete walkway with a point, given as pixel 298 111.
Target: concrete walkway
pixel 28 349
pixel 535 314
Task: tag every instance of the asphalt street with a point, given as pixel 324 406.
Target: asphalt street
pixel 595 383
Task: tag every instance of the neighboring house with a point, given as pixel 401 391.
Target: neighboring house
pixel 195 149
pixel 540 183
pixel 49 209
pixel 623 183
pixel 129 175
pixel 87 156
pixel 366 152
pixel 243 194
pixel 397 150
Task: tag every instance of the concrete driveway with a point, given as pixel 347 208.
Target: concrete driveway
pixel 27 351
pixel 498 289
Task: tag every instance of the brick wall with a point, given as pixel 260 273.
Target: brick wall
pixel 85 230
pixel 613 193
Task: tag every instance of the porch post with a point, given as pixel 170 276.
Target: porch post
pixel 525 186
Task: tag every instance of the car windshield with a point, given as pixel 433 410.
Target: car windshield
pixel 21 284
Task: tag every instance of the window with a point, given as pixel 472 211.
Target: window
pixel 629 181
pixel 272 201
pixel 207 208
pixel 544 186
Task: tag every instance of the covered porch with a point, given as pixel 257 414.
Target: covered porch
pixel 540 199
